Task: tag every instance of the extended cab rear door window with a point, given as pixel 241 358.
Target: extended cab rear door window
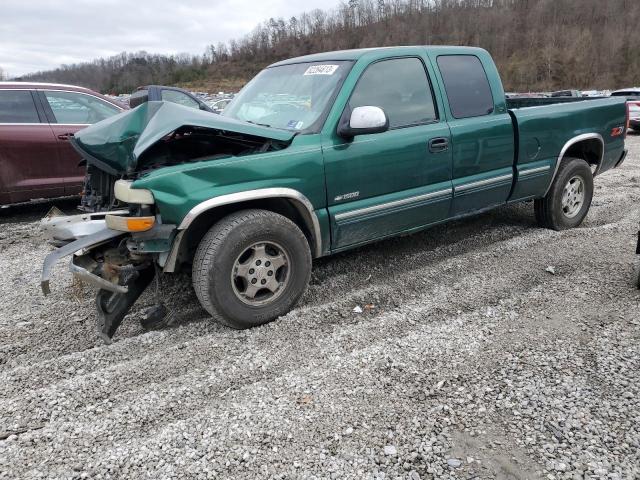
pixel 400 87
pixel 17 106
pixel 467 85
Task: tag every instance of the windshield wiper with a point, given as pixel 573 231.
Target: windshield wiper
pixel 256 123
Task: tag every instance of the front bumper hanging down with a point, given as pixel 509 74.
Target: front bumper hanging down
pixel 54 257
pixel 114 298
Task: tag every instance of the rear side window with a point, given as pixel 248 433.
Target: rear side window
pixel 74 108
pixel 16 106
pixel 400 87
pixel 466 84
pixel 179 98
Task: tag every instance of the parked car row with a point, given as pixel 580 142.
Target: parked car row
pixel 168 94
pixel 214 102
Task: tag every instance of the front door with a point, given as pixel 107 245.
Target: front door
pixel 385 183
pixel 28 156
pixel 70 112
pixel 481 134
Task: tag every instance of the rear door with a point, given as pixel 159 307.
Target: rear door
pixel 28 155
pixel 481 131
pixel 70 112
pixel 391 182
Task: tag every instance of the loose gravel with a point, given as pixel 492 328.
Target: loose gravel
pixel 453 353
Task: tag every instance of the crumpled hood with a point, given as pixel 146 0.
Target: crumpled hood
pixel 115 144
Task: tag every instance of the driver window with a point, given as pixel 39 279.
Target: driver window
pixel 400 87
pixel 77 108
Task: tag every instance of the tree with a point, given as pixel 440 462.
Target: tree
pixel 538 44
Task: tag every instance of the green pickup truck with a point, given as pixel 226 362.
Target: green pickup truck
pixel 317 155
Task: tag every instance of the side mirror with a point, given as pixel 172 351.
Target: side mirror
pixel 362 120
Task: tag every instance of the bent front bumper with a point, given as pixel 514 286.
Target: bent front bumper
pixel 82 273
pixel 77 228
pixel 61 228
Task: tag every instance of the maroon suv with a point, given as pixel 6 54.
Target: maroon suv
pixel 36 121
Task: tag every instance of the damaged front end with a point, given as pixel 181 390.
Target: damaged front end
pixel 120 242
pixel 119 264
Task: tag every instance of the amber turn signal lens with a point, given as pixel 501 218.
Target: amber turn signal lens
pixel 129 224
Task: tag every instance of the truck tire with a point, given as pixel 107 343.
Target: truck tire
pixel 251 267
pixel 568 200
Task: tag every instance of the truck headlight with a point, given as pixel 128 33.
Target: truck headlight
pixel 123 192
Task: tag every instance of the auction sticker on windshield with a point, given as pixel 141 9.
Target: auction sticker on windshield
pixel 321 70
pixel 295 124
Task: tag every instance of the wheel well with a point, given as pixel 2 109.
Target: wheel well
pixel 590 150
pixel 284 206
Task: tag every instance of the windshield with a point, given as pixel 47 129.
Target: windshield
pixel 291 97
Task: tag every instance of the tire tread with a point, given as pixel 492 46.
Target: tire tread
pixel 544 208
pixel 210 246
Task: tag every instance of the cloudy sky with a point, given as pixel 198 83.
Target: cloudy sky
pixel 43 34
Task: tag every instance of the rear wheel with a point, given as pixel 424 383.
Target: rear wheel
pixel 251 267
pixel 569 198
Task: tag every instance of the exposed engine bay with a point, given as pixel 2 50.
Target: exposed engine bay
pixel 189 144
pixel 186 144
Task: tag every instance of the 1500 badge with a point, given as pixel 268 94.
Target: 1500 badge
pixel 346 196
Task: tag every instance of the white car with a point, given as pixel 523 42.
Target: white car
pixel 633 104
pixel 219 105
pixel 596 93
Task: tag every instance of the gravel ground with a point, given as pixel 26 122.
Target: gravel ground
pixel 470 359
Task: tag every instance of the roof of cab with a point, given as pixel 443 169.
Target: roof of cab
pixel 358 53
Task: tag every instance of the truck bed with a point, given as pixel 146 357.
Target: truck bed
pixel 544 133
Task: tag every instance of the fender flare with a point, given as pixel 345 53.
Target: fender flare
pixel 571 142
pixel 302 204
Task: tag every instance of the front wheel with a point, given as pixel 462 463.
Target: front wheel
pixel 251 267
pixel 569 198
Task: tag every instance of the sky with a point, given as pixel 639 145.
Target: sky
pixel 39 35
